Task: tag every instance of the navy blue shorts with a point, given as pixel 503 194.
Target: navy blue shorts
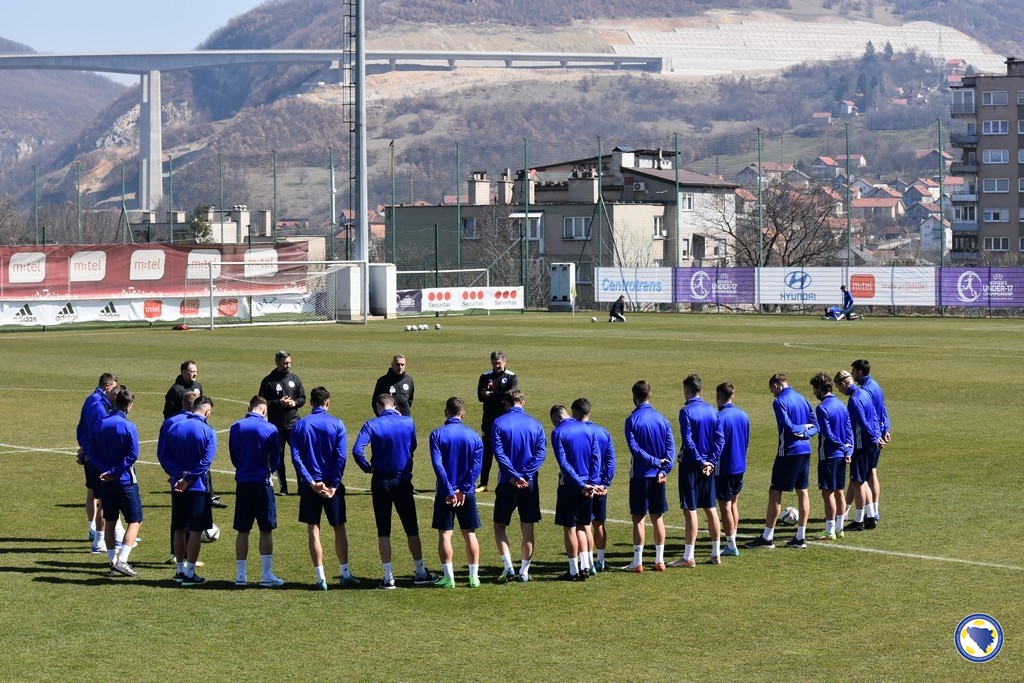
pixel 860 465
pixel 832 474
pixel 791 472
pixel 312 505
pixel 508 498
pixel 599 508
pixel 255 502
pixel 727 486
pixel 191 511
pixel 121 499
pixel 696 491
pixel 388 492
pixel 92 478
pixel 874 453
pixel 445 515
pixel 647 496
pixel 572 508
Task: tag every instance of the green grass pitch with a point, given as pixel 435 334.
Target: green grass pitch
pixel 880 605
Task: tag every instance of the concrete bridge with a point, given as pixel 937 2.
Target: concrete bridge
pixel 149 65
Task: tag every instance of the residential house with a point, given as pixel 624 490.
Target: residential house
pixel 921 211
pixel 848 108
pixel 932 238
pixel 856 160
pixel 769 170
pixel 878 209
pixel 930 159
pixel 821 119
pixel 836 198
pixel 826 168
pixel 861 188
pixel 746 201
pixel 796 178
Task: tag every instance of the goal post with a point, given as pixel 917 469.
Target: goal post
pixel 271 292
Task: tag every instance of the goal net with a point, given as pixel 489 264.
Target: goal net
pixel 255 292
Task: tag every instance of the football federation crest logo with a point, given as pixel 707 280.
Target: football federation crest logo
pixel 978 638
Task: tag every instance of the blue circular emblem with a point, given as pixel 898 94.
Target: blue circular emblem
pixel 978 638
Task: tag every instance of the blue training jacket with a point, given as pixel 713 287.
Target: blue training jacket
pixel 391 437
pixel 649 437
pixel 835 438
pixel 255 449
pixel 457 453
pixel 519 445
pixel 863 418
pixel 114 447
pixel 734 425
pixel 874 389
pixel 698 428
pixel 577 453
pixel 607 449
pixel 189 447
pixel 319 448
pixel 792 414
pixel 95 408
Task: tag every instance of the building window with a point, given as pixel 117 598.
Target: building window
pixel 1022 215
pixel 576 228
pixel 533 226
pixel 965 243
pixel 965 212
pixel 1020 97
pixel 995 127
pixel 660 231
pixel 1020 184
pixel 718 250
pixel 995 156
pixel 996 98
pixel 684 247
pixel 585 273
pixel 997 215
pixel 1020 246
pixel 469 230
pixel 1020 127
pixel 686 201
pixel 995 185
pixel 997 244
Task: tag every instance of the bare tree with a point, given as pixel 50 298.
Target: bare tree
pixel 14 228
pixel 498 246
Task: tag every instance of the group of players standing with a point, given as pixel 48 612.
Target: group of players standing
pixel 711 463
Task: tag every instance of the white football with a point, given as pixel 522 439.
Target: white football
pixel 211 534
pixel 437 326
pixel 408 328
pixel 790 516
pixel 593 320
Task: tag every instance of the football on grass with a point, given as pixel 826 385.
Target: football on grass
pixel 790 516
pixel 211 534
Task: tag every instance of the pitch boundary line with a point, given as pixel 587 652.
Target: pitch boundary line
pixel 853 548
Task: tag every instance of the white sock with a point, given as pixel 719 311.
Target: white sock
pixel 585 561
pixel 119 532
pixel 241 569
pixel 344 570
pixel 848 509
pixel 506 560
pixel 524 568
pixel 190 569
pixel 600 556
pixel 659 554
pixel 266 565
pixel 801 532
pixel 830 526
pixel 840 522
pixel 858 516
pixel 421 568
pixel 318 572
pixel 92 525
pixel 448 570
pixel 876 508
pixel 389 574
pixel 180 567
pixel 687 552
pixel 716 548
pixel 574 566
pixel 474 571
pixel 870 510
pixel 111 555
pixel 124 552
pixel 768 534
pixel 731 542
pixel 638 555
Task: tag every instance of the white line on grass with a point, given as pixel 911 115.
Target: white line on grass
pixel 875 551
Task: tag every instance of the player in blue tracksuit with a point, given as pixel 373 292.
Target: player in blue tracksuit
pixel 520 448
pixel 835 448
pixel 734 426
pixel 847 309
pixel 456 452
pixel 391 437
pixel 579 462
pixel 95 408
pixel 186 453
pixel 255 449
pixel 188 399
pixel 797 424
pixel 861 371
pixel 597 538
pixel 702 443
pixel 113 449
pixel 652 450
pixel 867 438
pixel 319 450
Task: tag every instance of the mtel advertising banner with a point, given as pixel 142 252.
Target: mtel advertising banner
pixel 989 287
pixel 902 286
pixel 466 298
pixel 714 286
pixel 50 313
pixel 146 270
pixel 640 285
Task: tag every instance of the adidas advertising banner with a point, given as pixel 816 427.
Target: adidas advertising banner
pixel 466 298
pixel 63 312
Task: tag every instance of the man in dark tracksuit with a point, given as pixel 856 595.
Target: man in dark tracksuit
pixel 490 390
pixel 285 395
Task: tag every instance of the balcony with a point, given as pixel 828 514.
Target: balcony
pixel 963 139
pixel 966 197
pixel 962 109
pixel 963 167
pixel 965 227
pixel 964 255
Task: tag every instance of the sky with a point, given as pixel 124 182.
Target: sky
pixel 108 26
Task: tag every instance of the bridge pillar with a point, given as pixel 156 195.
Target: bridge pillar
pixel 151 185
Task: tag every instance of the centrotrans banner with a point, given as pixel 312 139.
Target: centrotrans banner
pixel 643 285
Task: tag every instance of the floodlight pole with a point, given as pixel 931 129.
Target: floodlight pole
pixel 362 200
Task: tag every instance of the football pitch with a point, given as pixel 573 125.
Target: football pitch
pixel 878 605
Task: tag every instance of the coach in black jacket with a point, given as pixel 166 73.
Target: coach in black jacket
pixel 398 383
pixel 285 395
